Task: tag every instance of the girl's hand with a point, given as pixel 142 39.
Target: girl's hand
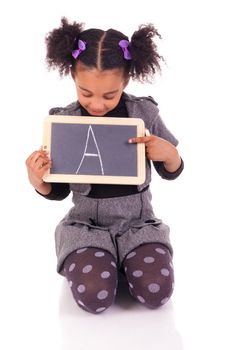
pixel 158 149
pixel 37 164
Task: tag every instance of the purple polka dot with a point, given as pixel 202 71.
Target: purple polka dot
pixel 100 309
pixel 81 288
pixel 137 273
pixel 87 268
pixel 72 267
pixel 79 251
pixel 165 272
pixel 99 254
pixel 70 284
pixel 130 255
pixel 160 251
pixel 164 301
pixel 149 259
pixel 141 299
pixel 105 274
pixel 154 287
pixel 81 303
pixel 103 294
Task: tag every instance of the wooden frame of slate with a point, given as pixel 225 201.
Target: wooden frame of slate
pixel 94 150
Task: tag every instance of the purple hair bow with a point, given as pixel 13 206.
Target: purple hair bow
pixel 124 44
pixel 81 48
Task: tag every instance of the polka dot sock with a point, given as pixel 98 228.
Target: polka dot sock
pixel 92 276
pixel 149 272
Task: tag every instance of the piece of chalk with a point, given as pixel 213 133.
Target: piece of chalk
pixel 147 132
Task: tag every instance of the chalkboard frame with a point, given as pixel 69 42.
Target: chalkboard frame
pixel 138 179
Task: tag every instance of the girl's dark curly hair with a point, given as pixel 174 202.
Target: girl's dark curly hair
pixel 103 51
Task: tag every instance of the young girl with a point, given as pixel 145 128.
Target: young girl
pixel 111 228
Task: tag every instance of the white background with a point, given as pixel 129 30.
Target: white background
pixel 195 99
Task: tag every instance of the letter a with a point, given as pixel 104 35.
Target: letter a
pixel 93 153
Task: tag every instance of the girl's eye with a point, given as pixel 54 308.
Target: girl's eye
pixel 109 97
pixel 105 97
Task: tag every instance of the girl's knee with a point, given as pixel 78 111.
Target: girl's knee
pixel 92 304
pixel 92 276
pixel 150 274
pixel 153 294
pixel 95 299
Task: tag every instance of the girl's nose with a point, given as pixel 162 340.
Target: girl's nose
pixel 97 105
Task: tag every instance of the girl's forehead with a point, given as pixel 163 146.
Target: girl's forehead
pixel 99 81
pixel 81 68
pixel 94 76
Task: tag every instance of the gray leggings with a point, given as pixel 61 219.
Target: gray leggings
pixel 92 275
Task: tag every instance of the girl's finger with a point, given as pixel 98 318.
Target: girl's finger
pixel 142 139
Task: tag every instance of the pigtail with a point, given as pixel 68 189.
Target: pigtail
pixel 60 43
pixel 146 59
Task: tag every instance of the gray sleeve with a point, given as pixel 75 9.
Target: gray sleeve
pixel 161 170
pixel 72 109
pixel 159 128
pixel 55 111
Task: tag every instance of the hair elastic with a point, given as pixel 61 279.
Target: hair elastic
pixel 81 48
pixel 124 44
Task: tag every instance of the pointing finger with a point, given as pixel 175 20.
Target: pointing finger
pixel 142 139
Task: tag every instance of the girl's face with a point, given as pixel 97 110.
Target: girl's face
pixel 98 91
